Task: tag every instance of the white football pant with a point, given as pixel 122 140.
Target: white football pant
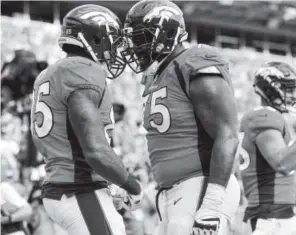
pixel 275 227
pixel 88 213
pixel 178 206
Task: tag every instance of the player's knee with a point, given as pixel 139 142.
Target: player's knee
pixel 180 226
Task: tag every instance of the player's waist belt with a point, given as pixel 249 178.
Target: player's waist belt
pixel 56 191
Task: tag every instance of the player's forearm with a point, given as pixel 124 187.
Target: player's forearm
pixel 288 162
pixel 222 160
pixel 85 119
pixel 223 155
pixel 111 168
pixel 105 162
pixel 100 155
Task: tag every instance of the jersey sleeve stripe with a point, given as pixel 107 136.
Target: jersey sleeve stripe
pixel 209 70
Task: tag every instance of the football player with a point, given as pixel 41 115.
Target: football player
pixel 190 118
pixel 71 121
pixel 267 169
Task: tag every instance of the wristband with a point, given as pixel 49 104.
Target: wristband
pixel 131 186
pixel 214 197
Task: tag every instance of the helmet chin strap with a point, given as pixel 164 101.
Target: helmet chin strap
pixel 88 47
pixel 176 38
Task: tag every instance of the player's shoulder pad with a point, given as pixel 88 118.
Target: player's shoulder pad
pixel 262 119
pixel 204 59
pixel 80 73
pixel 82 70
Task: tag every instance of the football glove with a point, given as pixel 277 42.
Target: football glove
pixel 123 199
pixel 207 222
pixel 117 195
pixel 132 202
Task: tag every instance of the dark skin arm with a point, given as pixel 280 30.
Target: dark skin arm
pixel 214 105
pixel 275 151
pixel 85 119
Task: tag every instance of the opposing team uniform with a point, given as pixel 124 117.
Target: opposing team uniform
pixel 270 194
pixel 71 184
pixel 179 147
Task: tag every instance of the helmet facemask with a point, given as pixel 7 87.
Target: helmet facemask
pixel 290 97
pixel 279 93
pixel 101 44
pixel 104 48
pixel 111 54
pixel 144 44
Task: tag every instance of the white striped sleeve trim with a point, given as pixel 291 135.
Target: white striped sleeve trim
pixel 211 69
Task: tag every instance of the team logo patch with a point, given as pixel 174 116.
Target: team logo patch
pixel 101 18
pixel 162 12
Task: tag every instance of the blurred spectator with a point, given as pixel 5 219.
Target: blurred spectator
pixel 20 73
pixel 15 210
pixel 6 95
pixel 17 78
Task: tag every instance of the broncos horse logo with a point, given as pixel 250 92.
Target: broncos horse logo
pixel 265 72
pixel 101 18
pixel 164 12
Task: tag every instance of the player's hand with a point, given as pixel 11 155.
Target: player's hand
pixel 117 195
pixel 123 199
pixel 132 202
pixel 207 222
